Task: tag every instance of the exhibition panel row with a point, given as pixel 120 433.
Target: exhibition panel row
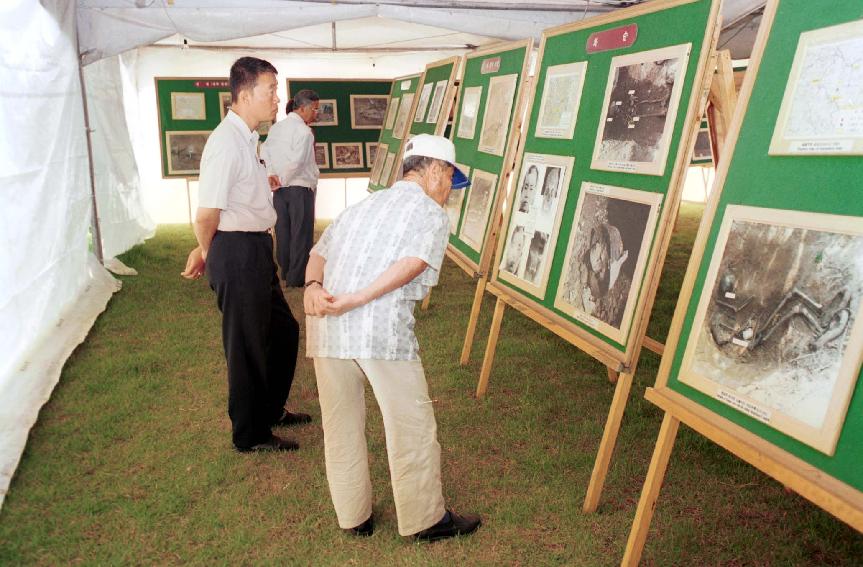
pixel 352 113
pixel 765 349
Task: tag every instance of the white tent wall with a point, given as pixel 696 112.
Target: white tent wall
pixel 52 287
pixel 123 220
pixel 166 199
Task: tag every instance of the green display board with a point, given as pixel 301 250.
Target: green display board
pixel 189 109
pixel 504 67
pixel 435 97
pixel 740 273
pixel 348 127
pixel 388 140
pixel 601 167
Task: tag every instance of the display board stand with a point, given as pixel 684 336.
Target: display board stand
pixel 828 478
pixel 390 141
pixel 620 361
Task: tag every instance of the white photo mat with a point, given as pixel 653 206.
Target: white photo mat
pixel 737 357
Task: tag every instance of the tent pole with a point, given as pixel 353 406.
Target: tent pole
pixel 94 220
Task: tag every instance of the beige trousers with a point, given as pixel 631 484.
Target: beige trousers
pixel 411 433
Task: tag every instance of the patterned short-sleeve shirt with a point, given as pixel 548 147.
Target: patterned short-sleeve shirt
pixel 365 240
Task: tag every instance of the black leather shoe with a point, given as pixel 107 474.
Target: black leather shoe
pixel 289 419
pixel 274 443
pixel 365 529
pixel 451 524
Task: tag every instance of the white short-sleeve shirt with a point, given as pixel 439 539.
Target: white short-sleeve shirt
pixel 234 180
pixel 365 240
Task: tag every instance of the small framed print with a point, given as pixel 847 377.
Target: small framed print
pixel 368 111
pixel 328 114
pixel 391 113
pixel 224 104
pixel 322 155
pixel 702 153
pixel 347 155
pixel 371 153
pixel 378 163
pixel 188 106
pixel 184 150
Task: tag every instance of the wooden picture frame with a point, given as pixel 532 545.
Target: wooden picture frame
pixel 347 155
pixel 423 103
pixel 188 106
pixel 499 103
pixel 184 149
pixel 639 112
pixel 561 99
pixel 368 111
pixel 470 102
pixel 328 113
pixel 608 249
pixel 525 262
pixel 821 107
pixel 479 201
pixel 322 155
pixel 772 353
pixel 454 203
pixel 378 165
pixel 371 153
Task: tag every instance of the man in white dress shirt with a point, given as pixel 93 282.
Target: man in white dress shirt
pixel 364 277
pixel 289 153
pixel 235 213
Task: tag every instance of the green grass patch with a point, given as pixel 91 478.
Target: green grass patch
pixel 131 460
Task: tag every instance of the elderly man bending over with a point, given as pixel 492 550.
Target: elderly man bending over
pixel 363 278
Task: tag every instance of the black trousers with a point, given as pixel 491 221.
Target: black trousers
pixel 259 332
pixel 295 231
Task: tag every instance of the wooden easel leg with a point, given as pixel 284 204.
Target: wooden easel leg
pixel 650 492
pixel 426 301
pixel 609 438
pixel 613 375
pixel 474 318
pixel 491 346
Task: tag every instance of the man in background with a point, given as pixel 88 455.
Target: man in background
pixel 289 153
pixel 235 213
pixel 363 280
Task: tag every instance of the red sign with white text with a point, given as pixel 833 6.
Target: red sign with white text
pixel 616 38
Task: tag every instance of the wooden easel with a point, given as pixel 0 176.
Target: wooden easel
pixel 834 496
pixel 620 366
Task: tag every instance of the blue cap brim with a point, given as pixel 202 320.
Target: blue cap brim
pixel 459 179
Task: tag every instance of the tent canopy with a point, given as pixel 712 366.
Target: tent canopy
pixel 110 27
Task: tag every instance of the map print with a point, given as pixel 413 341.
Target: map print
pixel 822 110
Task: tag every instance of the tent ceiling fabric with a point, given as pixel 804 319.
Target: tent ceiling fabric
pixel 109 27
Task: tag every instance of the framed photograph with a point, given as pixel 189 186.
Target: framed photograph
pixel 322 155
pixel 391 113
pixel 328 115
pixel 778 332
pixel 401 125
pixel 702 153
pixel 378 164
pixel 640 110
pixel 347 155
pixel 470 100
pixel 436 101
pixel 561 98
pixel 387 170
pixel 423 103
pixel 498 111
pixel 822 108
pixel 479 199
pixel 606 256
pixel 224 104
pixel 534 222
pixel 184 151
pixel 188 106
pixel 371 152
pixel 454 203
pixel 368 111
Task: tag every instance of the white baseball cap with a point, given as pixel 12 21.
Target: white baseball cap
pixel 436 147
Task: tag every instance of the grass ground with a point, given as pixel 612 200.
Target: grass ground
pixel 131 461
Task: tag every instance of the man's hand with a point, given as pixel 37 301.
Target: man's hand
pixel 195 264
pixel 343 303
pixel 274 181
pixel 315 300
